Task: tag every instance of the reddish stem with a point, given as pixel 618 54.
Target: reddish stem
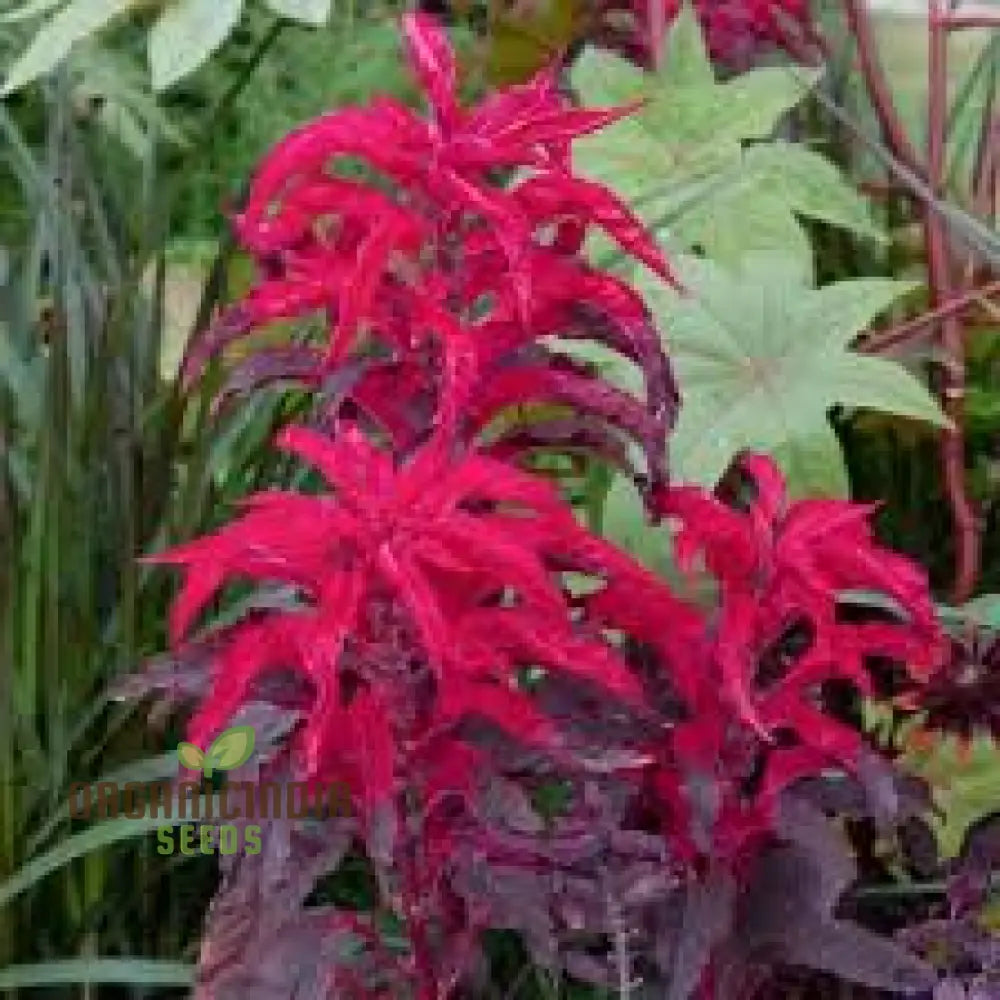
pixel 804 45
pixel 951 338
pixel 883 340
pixel 411 899
pixel 967 528
pixel 893 132
pixel 957 22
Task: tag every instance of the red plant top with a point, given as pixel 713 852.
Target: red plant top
pixel 435 264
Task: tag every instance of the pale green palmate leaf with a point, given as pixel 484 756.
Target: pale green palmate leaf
pixel 35 8
pixel 762 356
pixel 186 34
pixel 625 523
pixel 693 130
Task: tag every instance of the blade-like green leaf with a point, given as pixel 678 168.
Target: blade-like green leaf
pixel 966 228
pixel 982 612
pixel 95 837
pixel 762 357
pixel 186 34
pixel 126 971
pixel 149 769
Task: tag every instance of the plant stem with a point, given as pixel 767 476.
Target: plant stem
pixel 966 523
pixel 879 92
pixel 884 340
pixel 411 898
pixel 951 339
pixel 247 70
pixel 957 22
pixel 622 960
pixel 900 889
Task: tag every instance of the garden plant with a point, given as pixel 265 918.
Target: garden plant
pixel 579 449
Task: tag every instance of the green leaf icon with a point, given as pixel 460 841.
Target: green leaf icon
pixel 230 749
pixel 190 756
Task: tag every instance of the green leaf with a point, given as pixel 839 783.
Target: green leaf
pixel 57 36
pixel 525 37
pixel 314 12
pixel 982 612
pixel 689 122
pixel 757 211
pixel 684 58
pixel 625 523
pixel 190 756
pixel 603 78
pixel 964 790
pixel 125 971
pixel 186 34
pixel 812 185
pixel 148 769
pixel 30 10
pixel 231 749
pixel 814 464
pixel 94 838
pixel 762 356
pixel 128 109
pixel 693 128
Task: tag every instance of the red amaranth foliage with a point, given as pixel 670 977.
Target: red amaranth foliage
pixel 434 262
pixel 735 30
pixel 463 550
pixel 451 640
pixel 426 586
pixel 754 720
